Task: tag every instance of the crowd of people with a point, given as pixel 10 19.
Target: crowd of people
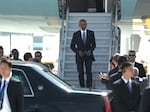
pixel 14 55
pixel 128 82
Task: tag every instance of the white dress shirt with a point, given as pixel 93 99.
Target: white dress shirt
pixel 126 81
pixel 6 105
pixel 82 33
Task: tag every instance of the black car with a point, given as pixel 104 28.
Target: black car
pixel 46 92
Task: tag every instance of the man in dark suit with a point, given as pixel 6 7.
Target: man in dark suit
pixel 132 56
pixel 11 92
pixel 126 92
pixel 83 44
pixel 145 101
pixel 114 76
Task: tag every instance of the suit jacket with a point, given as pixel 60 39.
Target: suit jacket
pixel 145 103
pixel 123 100
pixel 15 95
pixel 115 70
pixel 112 78
pixel 141 69
pixel 77 44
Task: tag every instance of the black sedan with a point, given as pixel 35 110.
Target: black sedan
pixel 46 92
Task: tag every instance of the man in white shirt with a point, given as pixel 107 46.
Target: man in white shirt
pixel 11 95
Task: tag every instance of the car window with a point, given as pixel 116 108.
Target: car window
pixel 20 75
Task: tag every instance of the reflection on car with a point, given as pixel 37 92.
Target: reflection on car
pixel 46 92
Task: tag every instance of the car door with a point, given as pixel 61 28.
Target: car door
pixel 28 91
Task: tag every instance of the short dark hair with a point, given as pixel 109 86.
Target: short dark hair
pixel 27 56
pixel 82 20
pixel 133 51
pixel 125 65
pixel 6 61
pixel 1 47
pixel 121 60
pixel 38 52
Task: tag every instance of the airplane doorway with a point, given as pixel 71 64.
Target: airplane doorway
pixel 85 5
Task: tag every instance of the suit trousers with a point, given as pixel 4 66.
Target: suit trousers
pixel 87 64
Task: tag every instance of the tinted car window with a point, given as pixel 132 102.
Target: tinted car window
pixel 20 75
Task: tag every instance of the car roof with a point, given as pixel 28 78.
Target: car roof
pixel 29 64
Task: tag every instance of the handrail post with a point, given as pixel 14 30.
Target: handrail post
pixel 61 41
pixel 106 4
pixel 116 18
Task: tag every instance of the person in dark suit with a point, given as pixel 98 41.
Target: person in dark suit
pixel 11 93
pixel 114 64
pixel 132 56
pixel 145 103
pixel 83 44
pixel 116 76
pixel 110 79
pixel 126 92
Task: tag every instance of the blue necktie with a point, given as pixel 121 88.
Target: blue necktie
pixel 129 87
pixel 2 94
pixel 84 38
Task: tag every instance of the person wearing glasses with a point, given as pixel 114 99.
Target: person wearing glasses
pixel 132 57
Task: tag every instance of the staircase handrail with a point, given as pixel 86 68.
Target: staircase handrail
pixel 62 36
pixel 114 12
pixel 64 44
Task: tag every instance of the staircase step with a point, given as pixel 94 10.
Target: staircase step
pixel 85 14
pixel 91 25
pixel 99 42
pixel 74 75
pixel 96 84
pixel 98 33
pixel 89 17
pixel 96 66
pixel 99 57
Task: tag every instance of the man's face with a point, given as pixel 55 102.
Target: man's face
pixel 38 56
pixel 15 54
pixel 5 70
pixel 83 25
pixel 130 71
pixel 132 56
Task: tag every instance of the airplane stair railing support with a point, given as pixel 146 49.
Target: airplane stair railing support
pixel 115 28
pixel 106 3
pixel 62 50
pixel 64 44
pixel 62 38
